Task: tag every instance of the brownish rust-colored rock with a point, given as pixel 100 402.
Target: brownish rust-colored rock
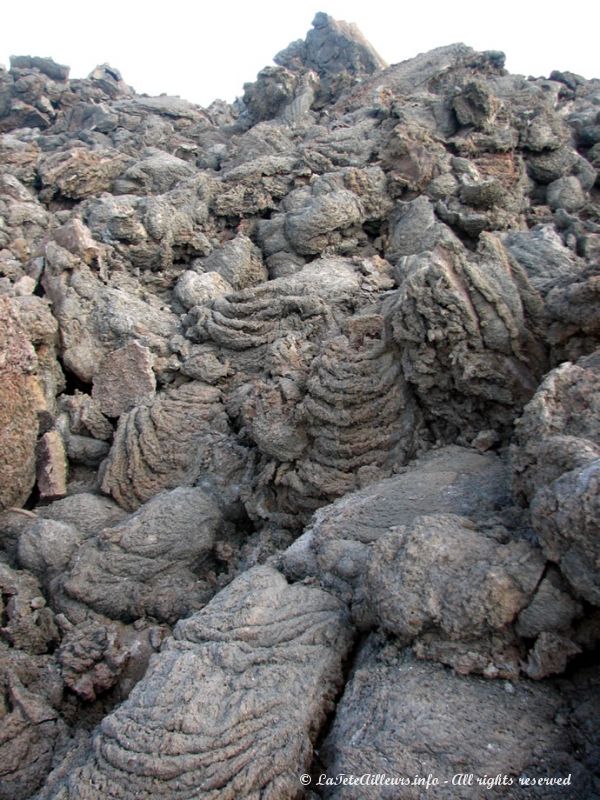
pixel 79 173
pixel 124 379
pixel 20 399
pixel 77 239
pixel 51 466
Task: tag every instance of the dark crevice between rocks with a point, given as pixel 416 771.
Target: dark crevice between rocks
pixel 226 560
pixel 318 765
pixel 39 290
pixel 586 660
pixel 311 258
pixel 53 645
pixel 374 229
pixel 73 382
pixel 548 567
pixel 4 614
pixel 8 701
pixel 33 500
pixel 58 203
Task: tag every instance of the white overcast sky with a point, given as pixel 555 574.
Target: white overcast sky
pixel 204 50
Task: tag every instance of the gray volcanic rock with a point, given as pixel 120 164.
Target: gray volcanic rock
pixel 436 556
pixel 158 553
pixel 306 228
pixel 559 429
pixel 271 94
pixel 25 225
pixel 451 480
pixel 46 547
pixel 541 252
pixel 414 229
pixel 565 516
pixel 20 398
pixel 27 622
pixel 344 329
pixel 474 584
pixel 95 319
pixel 238 262
pixel 427 722
pixel 174 441
pixel 48 66
pixel 195 289
pixel 155 174
pixel 336 51
pixel 87 512
pixel 31 733
pixel 358 412
pixel 304 302
pixel 31 727
pixel 248 682
pixel 470 330
pixel 79 173
pixel 328 428
pixel 573 307
pixel 334 47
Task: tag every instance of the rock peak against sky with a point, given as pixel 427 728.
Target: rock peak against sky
pixel 208 50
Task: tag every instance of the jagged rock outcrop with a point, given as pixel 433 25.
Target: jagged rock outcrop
pixel 344 330
pixel 333 57
pixel 556 459
pixel 470 333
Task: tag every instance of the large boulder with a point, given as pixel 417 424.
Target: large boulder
pixel 451 480
pixel 474 584
pixel 247 683
pixel 559 428
pixel 437 557
pixel 420 726
pixel 156 562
